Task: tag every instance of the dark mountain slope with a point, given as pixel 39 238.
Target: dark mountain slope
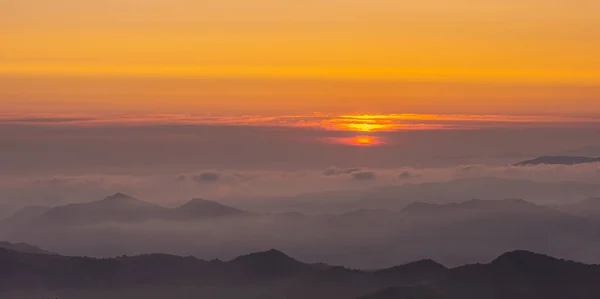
pixel 414 273
pixel 23 247
pixel 514 275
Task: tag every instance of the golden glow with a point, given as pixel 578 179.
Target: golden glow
pixel 360 123
pixel 447 40
pixel 356 141
pixel 364 129
pixel 289 57
pixel 364 140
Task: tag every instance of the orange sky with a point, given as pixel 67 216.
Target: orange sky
pixel 232 56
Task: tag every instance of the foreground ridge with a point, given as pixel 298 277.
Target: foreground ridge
pixel 516 274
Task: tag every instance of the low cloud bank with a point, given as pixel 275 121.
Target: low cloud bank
pixel 176 188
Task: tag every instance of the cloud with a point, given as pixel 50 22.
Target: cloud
pixel 405 175
pixel 46 120
pixel 172 189
pixel 337 171
pixel 207 177
pixel 364 175
pixel 333 122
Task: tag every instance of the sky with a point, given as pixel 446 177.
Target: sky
pixel 188 86
pixel 275 57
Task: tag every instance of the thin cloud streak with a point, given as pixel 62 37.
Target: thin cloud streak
pixel 333 122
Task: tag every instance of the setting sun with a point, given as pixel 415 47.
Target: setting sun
pixel 364 140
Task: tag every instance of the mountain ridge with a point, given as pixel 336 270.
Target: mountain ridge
pixel 515 274
pixel 118 207
pixel 558 160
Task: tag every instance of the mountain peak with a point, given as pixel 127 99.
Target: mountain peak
pixel 523 258
pixel 271 254
pixel 199 207
pixel 419 206
pixel 201 201
pixel 119 197
pixel 271 263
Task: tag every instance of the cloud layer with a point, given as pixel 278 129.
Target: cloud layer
pixel 176 188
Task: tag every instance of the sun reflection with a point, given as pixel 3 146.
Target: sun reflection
pixel 364 140
pixel 357 141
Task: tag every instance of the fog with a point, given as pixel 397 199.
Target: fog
pixel 246 188
pixel 357 217
pixel 284 188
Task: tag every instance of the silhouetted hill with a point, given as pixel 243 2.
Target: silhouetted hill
pixel 23 247
pixel 202 208
pixel 558 160
pixel 414 273
pixel 272 272
pixel 118 208
pixel 514 275
pixel 272 263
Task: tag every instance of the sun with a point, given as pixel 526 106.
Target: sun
pixel 364 140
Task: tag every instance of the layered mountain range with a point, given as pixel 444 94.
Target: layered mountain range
pixel 273 274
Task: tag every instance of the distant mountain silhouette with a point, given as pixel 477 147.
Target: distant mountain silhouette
pixel 26 215
pixel 23 247
pixel 117 208
pixel 505 205
pixel 558 160
pixel 587 207
pixel 393 197
pixel 513 275
pixel 202 208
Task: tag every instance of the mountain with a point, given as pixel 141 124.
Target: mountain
pixel 397 197
pixel 272 274
pixel 477 208
pixel 264 275
pixel 23 247
pixel 202 208
pixel 511 205
pixel 514 275
pixel 117 208
pixel 272 263
pixel 558 160
pixel 414 273
pixel 476 230
pixel 26 215
pixel 588 207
